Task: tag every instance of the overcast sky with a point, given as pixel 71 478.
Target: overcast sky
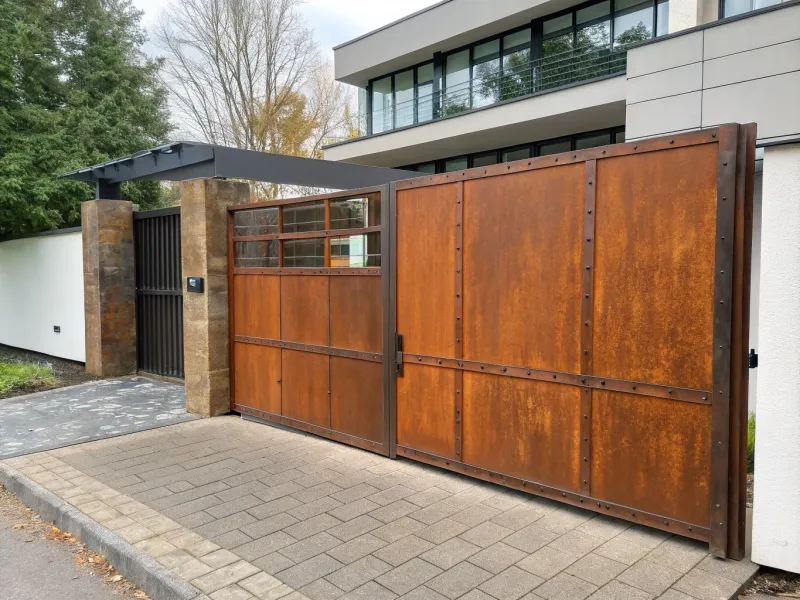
pixel 333 21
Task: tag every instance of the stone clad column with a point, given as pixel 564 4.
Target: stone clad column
pixel 204 253
pixel 776 505
pixel 109 287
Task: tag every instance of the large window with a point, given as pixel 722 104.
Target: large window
pixel 732 8
pixel 579 44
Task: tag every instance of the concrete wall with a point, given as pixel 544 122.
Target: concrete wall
pixel 564 112
pixel 741 71
pixel 41 285
pixel 776 510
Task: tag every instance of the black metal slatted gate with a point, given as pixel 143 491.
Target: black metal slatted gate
pixel 159 293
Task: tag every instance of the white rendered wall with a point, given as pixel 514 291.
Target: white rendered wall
pixel 41 285
pixel 776 508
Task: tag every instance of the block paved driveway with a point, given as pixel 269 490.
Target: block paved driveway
pixel 90 411
pixel 243 510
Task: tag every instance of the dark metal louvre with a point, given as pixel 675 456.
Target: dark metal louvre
pixel 159 292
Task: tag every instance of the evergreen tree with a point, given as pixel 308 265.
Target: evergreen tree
pixel 75 90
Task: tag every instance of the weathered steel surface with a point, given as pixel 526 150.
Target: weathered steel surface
pixel 257 376
pixel 425 409
pixel 257 306
pixel 329 350
pixel 305 385
pixel 357 398
pixel 305 313
pixel 356 313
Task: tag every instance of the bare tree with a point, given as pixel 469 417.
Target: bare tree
pixel 248 73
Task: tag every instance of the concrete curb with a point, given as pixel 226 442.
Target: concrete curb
pixel 156 581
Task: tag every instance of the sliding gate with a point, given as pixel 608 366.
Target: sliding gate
pixel 307 315
pixel 574 326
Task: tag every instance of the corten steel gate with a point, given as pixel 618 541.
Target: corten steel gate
pixel 159 295
pixel 307 321
pixel 574 326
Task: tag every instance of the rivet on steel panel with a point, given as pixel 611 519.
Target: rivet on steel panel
pixel 672 141
pixel 439 361
pixel 633 386
pixel 529 372
pixel 504 369
pixel 588 268
pixel 586 352
pixel 419 359
pixel 635 147
pixel 602 383
pixel 713 135
pixel 554 376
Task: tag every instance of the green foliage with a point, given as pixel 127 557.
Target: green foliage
pixel 75 90
pixel 16 376
pixel 751 442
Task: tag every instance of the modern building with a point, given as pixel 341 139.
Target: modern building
pixel 470 83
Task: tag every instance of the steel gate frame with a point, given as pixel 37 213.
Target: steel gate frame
pixel 728 398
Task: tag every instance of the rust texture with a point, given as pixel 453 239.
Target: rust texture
pixel 305 387
pixel 357 398
pixel 425 409
pixel 356 313
pixel 458 300
pixel 587 317
pixel 305 312
pixel 257 306
pixel 257 376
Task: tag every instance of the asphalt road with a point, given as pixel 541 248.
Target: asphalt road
pixel 41 569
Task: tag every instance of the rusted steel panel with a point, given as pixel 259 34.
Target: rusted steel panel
pixel 330 351
pixel 306 271
pixel 357 398
pixel 587 317
pixel 356 313
pixel 425 409
pixel 522 273
pixel 425 267
pixel 257 377
pixel 654 279
pixel 305 310
pixel 305 387
pixel 527 429
pixel 652 454
pixel 257 306
pixel 458 378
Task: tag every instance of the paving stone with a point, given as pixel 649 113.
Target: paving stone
pixel 183 538
pixel 486 534
pixel 497 557
pixel 475 515
pixel 458 580
pixel 274 507
pixel 174 558
pixel 530 539
pixel 615 590
pixel 479 595
pixel 576 542
pixel 353 509
pixel 312 526
pixel 135 533
pixel 474 494
pixel 565 587
pixel 621 550
pixel 192 569
pixel 269 525
pixel 435 512
pixel 202 548
pixel 273 542
pixel 357 548
pixel 358 573
pixel 321 590
pixel 309 570
pixel 564 519
pixel 226 524
pixel 310 547
pixel 219 558
pixel 392 494
pixel 704 585
pixel 604 527
pixel 392 512
pixel 231 592
pixel 354 492
pixel 650 577
pixel 428 496
pixel 644 536
pixel 679 553
pixel 450 553
pixel 673 594
pixel 313 493
pixel 408 576
pixel 154 547
pixel 312 509
pixel 735 570
pixel 228 508
pixel 505 500
pixel 261 585
pixel 230 574
pixel 403 550
pixel 232 539
pixel 278 491
pixel 519 516
pixel 195 519
pixel 354 528
pixel 442 531
pixel 370 591
pixel 596 569
pixel 511 584
pixel 274 562
pixel 398 529
pixel 546 562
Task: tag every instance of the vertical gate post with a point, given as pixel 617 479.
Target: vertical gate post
pixel 109 287
pixel 204 253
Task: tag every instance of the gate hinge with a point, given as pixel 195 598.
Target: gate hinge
pixel 398 357
pixel 752 359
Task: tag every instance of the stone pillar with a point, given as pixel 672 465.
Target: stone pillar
pixel 776 508
pixel 204 250
pixel 109 287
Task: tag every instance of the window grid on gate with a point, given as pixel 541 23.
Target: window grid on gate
pixel 333 232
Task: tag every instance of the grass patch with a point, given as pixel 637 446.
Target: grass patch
pixel 751 442
pixel 21 376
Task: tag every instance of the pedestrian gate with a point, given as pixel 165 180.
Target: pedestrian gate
pixel 159 296
pixel 574 325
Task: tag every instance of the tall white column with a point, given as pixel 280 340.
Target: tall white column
pixel 776 507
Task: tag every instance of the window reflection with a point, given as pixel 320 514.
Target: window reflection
pixel 456 98
pixel 425 93
pixel 261 221
pixel 255 255
pixel 354 213
pixel 356 251
pixel 486 74
pixel 633 22
pixel 382 105
pixel 304 253
pixel 404 98
pixel 455 164
pixel 304 217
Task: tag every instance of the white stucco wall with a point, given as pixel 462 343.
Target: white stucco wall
pixel 41 285
pixel 776 510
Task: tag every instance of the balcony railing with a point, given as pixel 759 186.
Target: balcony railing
pixel 491 85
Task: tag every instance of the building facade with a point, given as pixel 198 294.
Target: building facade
pixel 470 83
